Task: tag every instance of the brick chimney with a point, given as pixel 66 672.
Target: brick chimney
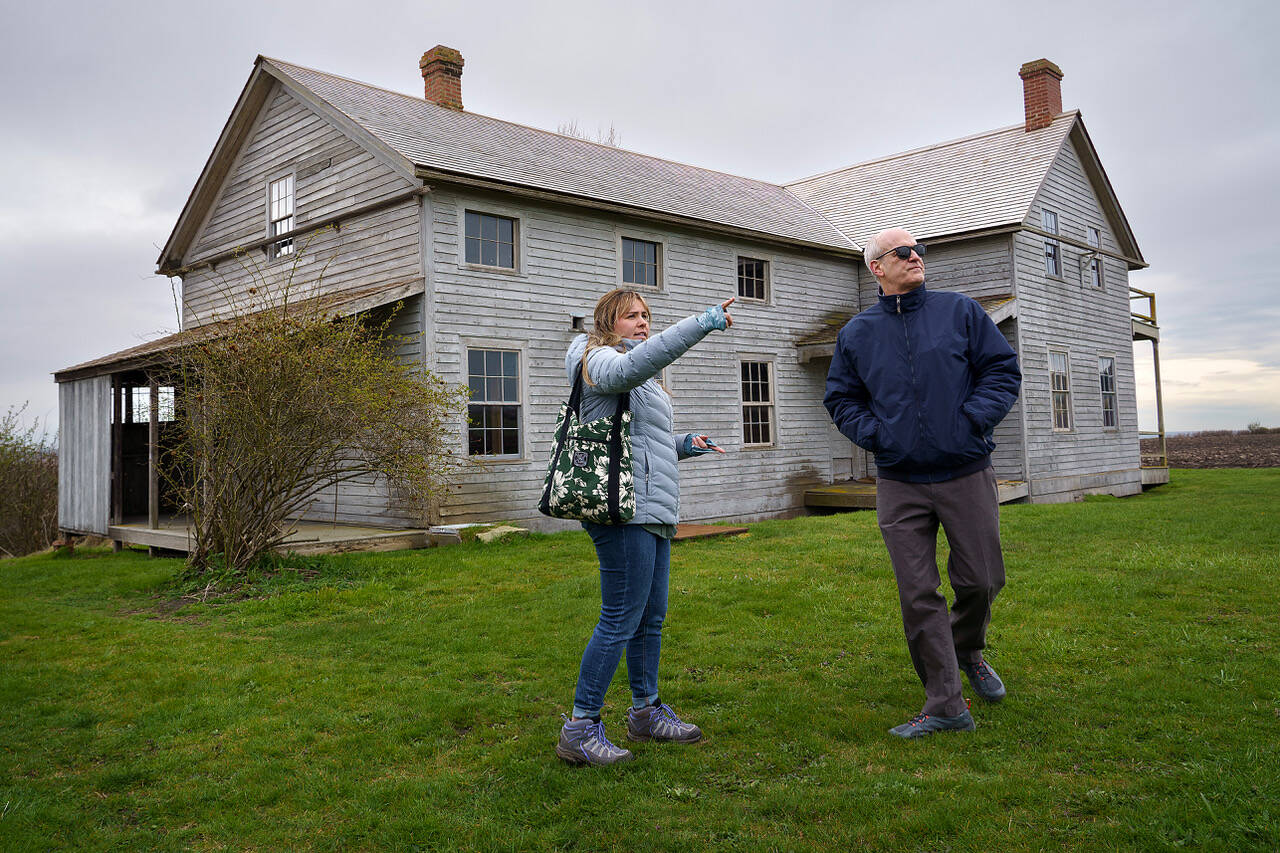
pixel 442 75
pixel 1041 92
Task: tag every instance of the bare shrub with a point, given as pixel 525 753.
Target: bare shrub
pixel 288 401
pixel 28 486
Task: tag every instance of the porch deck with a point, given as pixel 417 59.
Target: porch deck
pixel 861 494
pixel 310 537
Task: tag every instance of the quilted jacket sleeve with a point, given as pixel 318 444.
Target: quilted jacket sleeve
pixel 614 372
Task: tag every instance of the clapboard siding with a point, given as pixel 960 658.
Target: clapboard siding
pixel 84 455
pixel 568 259
pixel 332 173
pixel 1069 314
pixel 368 500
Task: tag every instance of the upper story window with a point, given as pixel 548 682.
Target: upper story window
pixel 1107 380
pixel 1060 387
pixel 753 279
pixel 1094 238
pixel 280 215
pixel 757 403
pixel 493 412
pixel 1052 249
pixel 641 262
pixel 491 240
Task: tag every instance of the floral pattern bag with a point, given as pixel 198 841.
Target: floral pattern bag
pixel 589 477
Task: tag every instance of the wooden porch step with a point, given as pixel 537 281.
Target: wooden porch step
pixel 861 494
pixel 705 531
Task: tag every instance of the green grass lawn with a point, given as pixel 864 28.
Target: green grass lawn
pixel 410 701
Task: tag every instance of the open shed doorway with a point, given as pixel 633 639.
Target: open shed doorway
pixel 134 482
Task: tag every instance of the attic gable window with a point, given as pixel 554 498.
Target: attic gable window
pixel 280 215
pixel 1052 249
pixel 1094 238
pixel 491 240
pixel 641 262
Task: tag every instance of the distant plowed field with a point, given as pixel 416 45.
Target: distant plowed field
pixel 1220 450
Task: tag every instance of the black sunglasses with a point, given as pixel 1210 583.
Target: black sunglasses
pixel 904 252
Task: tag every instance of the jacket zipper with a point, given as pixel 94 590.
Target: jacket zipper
pixel 911 364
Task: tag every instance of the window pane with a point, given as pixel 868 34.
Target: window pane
pixel 510 442
pixel 493 363
pixel 510 417
pixel 505 256
pixel 473 224
pixel 475 361
pixel 473 250
pixel 493 388
pixel 488 253
pixel 509 365
pixel 509 391
pixel 651 253
pixel 505 229
pixel 489 227
pixel 476 385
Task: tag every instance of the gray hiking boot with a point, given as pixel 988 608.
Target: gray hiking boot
pixel 659 722
pixel 926 724
pixel 984 680
pixel 584 742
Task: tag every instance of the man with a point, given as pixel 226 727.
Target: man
pixel 920 379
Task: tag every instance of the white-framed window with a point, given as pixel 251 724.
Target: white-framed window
pixel 1052 248
pixel 1093 237
pixel 1107 382
pixel 641 262
pixel 494 408
pixel 1060 388
pixel 758 422
pixel 140 404
pixel 490 240
pixel 753 279
pixel 280 215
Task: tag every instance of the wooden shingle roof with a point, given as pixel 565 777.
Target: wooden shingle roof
pixel 443 140
pixel 984 181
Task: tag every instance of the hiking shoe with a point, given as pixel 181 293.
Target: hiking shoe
pixel 926 724
pixel 659 722
pixel 584 742
pixel 984 680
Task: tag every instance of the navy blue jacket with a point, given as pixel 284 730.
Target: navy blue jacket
pixel 920 379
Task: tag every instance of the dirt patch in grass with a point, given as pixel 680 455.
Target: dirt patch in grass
pixel 1220 449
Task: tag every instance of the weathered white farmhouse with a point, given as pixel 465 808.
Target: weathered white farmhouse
pixel 498 238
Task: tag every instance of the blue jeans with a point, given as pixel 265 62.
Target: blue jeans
pixel 635 566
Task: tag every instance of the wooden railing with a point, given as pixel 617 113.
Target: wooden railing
pixel 1154 460
pixel 1150 316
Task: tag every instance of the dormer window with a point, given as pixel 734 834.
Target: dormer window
pixel 280 215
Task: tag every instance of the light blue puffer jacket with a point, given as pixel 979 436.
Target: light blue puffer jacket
pixel 654 449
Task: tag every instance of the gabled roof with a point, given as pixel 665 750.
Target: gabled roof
pixel 423 136
pixel 981 182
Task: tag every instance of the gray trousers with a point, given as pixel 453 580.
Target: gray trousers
pixel 969 511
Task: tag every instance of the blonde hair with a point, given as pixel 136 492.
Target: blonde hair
pixel 611 306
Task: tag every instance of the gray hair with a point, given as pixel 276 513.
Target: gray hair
pixel 872 251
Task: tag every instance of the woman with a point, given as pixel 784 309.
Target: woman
pixel 635 558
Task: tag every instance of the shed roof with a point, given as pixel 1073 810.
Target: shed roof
pixel 340 303
pixel 466 143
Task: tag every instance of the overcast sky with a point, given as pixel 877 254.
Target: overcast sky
pixel 110 110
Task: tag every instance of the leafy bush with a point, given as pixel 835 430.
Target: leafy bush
pixel 278 404
pixel 28 487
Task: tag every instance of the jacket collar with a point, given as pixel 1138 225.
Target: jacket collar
pixel 909 301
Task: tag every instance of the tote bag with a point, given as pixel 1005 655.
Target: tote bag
pixel 589 477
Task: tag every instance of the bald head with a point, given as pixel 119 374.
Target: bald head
pixel 895 275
